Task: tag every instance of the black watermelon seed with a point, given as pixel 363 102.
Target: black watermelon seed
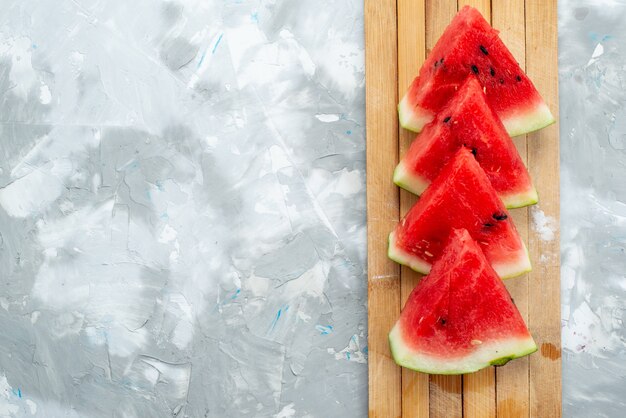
pixel 436 64
pixel 475 69
pixel 484 50
pixel 500 216
pixel 488 225
pixel 447 119
pixel 441 61
pixel 502 81
pixel 518 78
pixel 474 151
pixel 442 321
pixel 492 71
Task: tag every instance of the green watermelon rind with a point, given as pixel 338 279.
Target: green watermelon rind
pixel 413 118
pixel 410 118
pixel 505 271
pixel 493 353
pixel 519 200
pixel 416 184
pixel 510 270
pixel 537 118
pixel 400 256
pixel 413 183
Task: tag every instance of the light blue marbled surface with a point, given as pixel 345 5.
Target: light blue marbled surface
pixel 182 209
pixel 592 68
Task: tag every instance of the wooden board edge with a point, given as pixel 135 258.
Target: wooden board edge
pixel 382 203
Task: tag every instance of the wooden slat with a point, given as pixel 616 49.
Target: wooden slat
pixel 446 392
pixel 512 384
pixel 479 389
pixel 483 6
pixel 543 161
pixel 382 203
pixel 411 55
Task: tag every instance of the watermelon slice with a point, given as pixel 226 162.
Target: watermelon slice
pixel 469 45
pixel 460 197
pixel 460 318
pixel 468 121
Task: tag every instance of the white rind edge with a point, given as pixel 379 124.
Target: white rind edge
pixel 416 184
pixel 520 200
pixel 410 118
pixel 505 271
pixel 510 270
pixel 539 117
pixel 485 355
pixel 409 181
pixel 402 257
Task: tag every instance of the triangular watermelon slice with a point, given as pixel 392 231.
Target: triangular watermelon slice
pixel 460 197
pixel 468 121
pixel 469 45
pixel 460 318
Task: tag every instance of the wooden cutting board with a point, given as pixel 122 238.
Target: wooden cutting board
pixel 398 36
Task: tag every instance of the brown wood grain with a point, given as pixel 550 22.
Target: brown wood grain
pixel 411 55
pixel 512 380
pixel 382 203
pixel 543 162
pixel 396 45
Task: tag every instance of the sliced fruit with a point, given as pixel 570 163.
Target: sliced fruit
pixel 460 318
pixel 467 121
pixel 469 45
pixel 460 197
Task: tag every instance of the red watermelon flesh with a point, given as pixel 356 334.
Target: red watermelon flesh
pixel 460 197
pixel 469 45
pixel 460 318
pixel 468 121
